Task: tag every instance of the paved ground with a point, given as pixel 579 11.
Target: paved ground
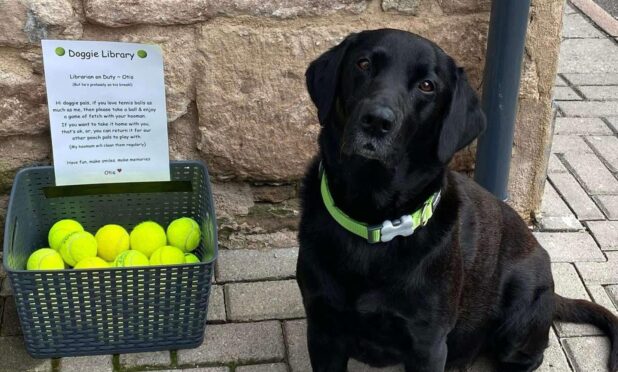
pixel 256 314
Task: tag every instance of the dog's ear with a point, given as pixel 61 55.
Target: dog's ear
pixel 464 122
pixel 322 78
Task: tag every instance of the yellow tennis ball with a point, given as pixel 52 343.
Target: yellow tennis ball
pixel 91 263
pixel 191 258
pixel 111 240
pixel 167 255
pixel 131 258
pixel 77 246
pixel 45 259
pixel 147 237
pixel 184 233
pixel 60 230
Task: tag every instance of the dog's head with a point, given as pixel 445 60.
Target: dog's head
pixel 388 94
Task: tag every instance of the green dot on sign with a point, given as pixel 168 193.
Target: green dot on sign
pixel 142 53
pixel 60 51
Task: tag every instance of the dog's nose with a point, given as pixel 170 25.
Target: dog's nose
pixel 378 120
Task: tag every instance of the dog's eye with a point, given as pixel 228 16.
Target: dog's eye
pixel 363 64
pixel 426 86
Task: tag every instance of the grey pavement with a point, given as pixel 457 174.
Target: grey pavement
pixel 256 319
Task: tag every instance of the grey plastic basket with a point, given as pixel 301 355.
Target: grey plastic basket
pixel 115 310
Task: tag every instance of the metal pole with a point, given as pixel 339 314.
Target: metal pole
pixel 505 51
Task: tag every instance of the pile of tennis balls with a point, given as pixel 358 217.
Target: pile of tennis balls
pixel 112 246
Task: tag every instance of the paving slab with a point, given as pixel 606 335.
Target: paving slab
pixel 96 363
pixel 587 354
pixel 555 214
pixel 613 123
pixel 264 300
pixel 588 108
pixel 612 292
pixel 296 341
pixel 592 173
pixel 586 126
pixel 151 359
pixel 555 165
pixel 237 342
pixel 576 26
pixel 198 369
pixel 609 205
pixel 566 94
pixel 588 56
pixel 575 196
pixel 252 264
pixel 607 148
pixel 568 284
pixel 570 246
pixel 605 233
pixel 598 272
pixel 554 359
pixel 16 358
pixel 603 296
pixel 216 304
pixel 271 367
pixel 592 79
pixel 601 93
pixel 564 143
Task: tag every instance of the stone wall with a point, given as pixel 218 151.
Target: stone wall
pixel 234 73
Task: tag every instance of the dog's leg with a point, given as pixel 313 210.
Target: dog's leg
pixel 524 335
pixel 326 351
pixel 427 356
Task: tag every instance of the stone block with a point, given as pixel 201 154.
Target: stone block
pixel 117 14
pixel 576 197
pixel 568 284
pixel 570 246
pixel 251 264
pixel 566 94
pixel 147 359
pixel 563 144
pixel 580 78
pixel 576 26
pixel 272 367
pixel 216 304
pixel 264 300
pixel 24 23
pixel 587 354
pixel 609 204
pixel 237 342
pixel 606 233
pixel 607 148
pixel 588 56
pixel 555 214
pixel 592 173
pixel 601 93
pixel 586 109
pixel 587 126
pixel 23 108
pixel 98 363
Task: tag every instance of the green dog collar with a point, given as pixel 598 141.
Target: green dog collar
pixel 403 226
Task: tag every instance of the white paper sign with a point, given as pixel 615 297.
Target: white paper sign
pixel 107 111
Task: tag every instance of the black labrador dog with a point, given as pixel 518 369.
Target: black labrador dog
pixel 402 260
